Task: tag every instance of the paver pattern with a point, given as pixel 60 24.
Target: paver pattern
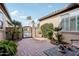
pixel 33 47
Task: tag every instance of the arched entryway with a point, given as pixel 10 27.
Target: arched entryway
pixel 27 31
pixel 2 26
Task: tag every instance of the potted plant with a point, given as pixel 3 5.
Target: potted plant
pixel 58 35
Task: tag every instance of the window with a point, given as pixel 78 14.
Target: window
pixel 67 24
pixel 62 24
pixel 72 23
pixel 78 23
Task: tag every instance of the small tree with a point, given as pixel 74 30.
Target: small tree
pixel 47 30
pixel 15 32
pixel 29 18
pixel 16 29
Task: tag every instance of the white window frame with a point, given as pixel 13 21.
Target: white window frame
pixel 76 22
pixel 64 30
pixel 76 25
pixel 63 18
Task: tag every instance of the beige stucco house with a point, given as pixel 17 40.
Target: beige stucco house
pixel 5 21
pixel 67 18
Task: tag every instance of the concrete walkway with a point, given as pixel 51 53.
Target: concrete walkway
pixel 33 47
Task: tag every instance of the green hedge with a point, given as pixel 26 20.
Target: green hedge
pixel 47 30
pixel 8 48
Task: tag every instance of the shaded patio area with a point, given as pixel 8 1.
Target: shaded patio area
pixel 33 47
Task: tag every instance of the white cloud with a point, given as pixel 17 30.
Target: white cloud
pixel 49 6
pixel 23 17
pixel 14 13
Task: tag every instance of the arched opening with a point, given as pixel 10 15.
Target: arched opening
pixel 2 32
pixel 27 32
pixel 1 20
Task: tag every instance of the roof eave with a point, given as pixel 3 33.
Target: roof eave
pixel 6 12
pixel 60 11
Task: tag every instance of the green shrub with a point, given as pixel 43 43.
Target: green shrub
pixel 8 48
pixel 47 30
pixel 50 33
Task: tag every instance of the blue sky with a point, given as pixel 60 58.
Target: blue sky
pixel 19 11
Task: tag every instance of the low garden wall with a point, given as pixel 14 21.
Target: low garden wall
pixel 2 34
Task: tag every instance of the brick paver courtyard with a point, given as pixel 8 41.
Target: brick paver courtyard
pixel 33 47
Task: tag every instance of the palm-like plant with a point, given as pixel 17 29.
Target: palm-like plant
pixel 29 18
pixel 16 29
pixel 16 23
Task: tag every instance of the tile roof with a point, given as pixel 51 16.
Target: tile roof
pixel 69 7
pixel 4 9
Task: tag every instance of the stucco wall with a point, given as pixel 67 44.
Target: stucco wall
pixel 1 35
pixel 2 31
pixel 56 21
pixel 71 35
pixel 5 24
pixel 68 36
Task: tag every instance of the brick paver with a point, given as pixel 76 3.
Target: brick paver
pixel 33 47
